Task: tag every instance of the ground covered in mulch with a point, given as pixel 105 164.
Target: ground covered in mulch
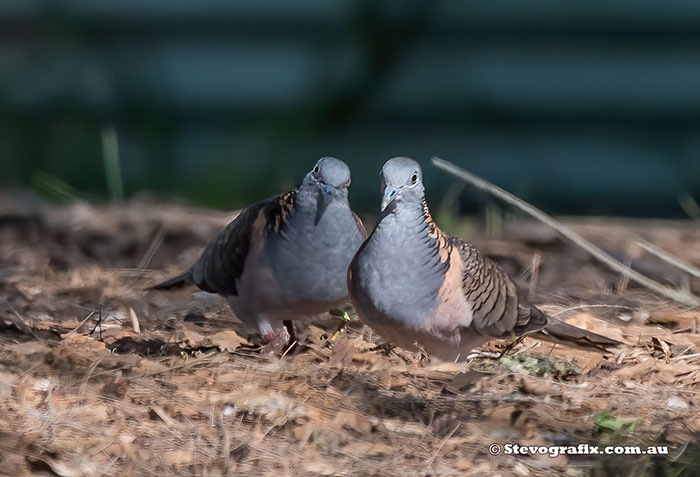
pixel 99 377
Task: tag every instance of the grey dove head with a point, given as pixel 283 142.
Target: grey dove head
pixel 329 179
pixel 402 181
pixel 330 172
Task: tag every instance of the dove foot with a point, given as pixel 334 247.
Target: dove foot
pixel 277 346
pixel 269 337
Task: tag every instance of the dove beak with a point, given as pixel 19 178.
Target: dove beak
pixel 325 195
pixel 389 196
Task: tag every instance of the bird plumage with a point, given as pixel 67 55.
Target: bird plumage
pixel 223 261
pixel 416 285
pixel 284 257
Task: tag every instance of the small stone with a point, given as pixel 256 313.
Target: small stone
pixel 674 402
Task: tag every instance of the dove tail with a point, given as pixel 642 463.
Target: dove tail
pixel 530 321
pixel 175 282
pixel 557 331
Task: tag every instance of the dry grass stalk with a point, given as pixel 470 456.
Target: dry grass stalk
pixel 607 259
pixel 535 271
pixel 668 258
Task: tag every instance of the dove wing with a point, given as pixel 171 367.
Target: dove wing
pixel 498 309
pixel 222 262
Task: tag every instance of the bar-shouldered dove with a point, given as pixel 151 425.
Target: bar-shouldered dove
pixel 415 285
pixel 285 257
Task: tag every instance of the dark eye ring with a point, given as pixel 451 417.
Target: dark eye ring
pixel 414 178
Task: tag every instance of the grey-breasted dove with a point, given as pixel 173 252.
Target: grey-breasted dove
pixel 415 285
pixel 285 257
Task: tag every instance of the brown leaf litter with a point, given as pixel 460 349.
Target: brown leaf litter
pixel 98 377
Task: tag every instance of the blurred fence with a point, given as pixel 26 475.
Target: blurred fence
pixel 581 107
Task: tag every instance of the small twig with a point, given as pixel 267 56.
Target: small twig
pixel 19 317
pixel 687 356
pixel 226 446
pixel 442 444
pixel 510 346
pixel 668 258
pixel 289 348
pixel 607 259
pixel 582 307
pixel 680 452
pixel 527 348
pixel 158 411
pixel 82 322
pixel 98 325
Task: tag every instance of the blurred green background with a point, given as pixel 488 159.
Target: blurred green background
pixel 578 107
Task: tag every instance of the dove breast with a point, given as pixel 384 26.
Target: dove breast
pixel 401 288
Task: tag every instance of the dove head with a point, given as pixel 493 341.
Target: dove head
pixel 328 180
pixel 330 172
pixel 402 182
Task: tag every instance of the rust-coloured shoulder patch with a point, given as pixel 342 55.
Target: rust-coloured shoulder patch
pixel 278 210
pixel 360 225
pixel 444 245
pixel 433 230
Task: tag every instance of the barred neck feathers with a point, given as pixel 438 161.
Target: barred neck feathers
pixel 307 222
pixel 297 205
pixel 279 209
pixel 441 245
pixel 421 232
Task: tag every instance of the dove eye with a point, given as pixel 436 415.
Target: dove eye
pixel 317 169
pixel 414 178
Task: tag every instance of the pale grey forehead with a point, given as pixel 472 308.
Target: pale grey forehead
pixel 399 170
pixel 333 171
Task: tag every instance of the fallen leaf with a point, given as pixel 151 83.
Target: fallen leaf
pixel 357 423
pixel 637 370
pixel 228 340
